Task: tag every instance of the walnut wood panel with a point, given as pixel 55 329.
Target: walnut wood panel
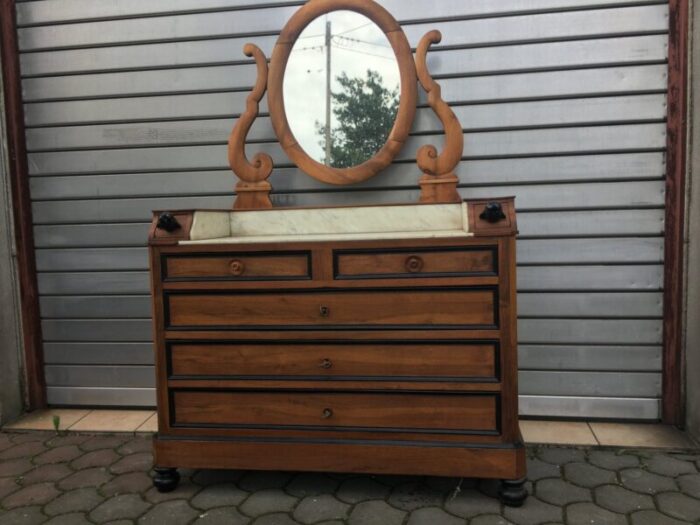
pixel 333 360
pixel 461 412
pixel 453 262
pixel 452 307
pixel 507 462
pixel 239 266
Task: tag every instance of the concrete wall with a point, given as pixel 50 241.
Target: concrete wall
pixel 692 341
pixel 11 400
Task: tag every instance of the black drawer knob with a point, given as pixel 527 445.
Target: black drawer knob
pixel 493 212
pixel 324 311
pixel 327 413
pixel 167 222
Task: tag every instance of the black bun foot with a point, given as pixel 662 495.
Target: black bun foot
pixel 513 493
pixel 166 479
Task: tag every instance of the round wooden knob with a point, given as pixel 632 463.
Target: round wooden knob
pixel 326 364
pixel 324 311
pixel 327 413
pixel 236 267
pixel 414 264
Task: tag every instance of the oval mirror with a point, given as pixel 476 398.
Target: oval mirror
pixel 341 89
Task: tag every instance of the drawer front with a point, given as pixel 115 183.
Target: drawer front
pixel 377 361
pixel 451 412
pixel 238 266
pixel 400 263
pixel 419 308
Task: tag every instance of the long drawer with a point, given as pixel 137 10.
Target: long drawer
pixel 388 361
pixel 407 412
pixel 404 308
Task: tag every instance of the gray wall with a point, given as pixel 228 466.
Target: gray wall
pixel 128 106
pixel 11 400
pixel 692 339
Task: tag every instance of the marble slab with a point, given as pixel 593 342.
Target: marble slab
pixel 324 224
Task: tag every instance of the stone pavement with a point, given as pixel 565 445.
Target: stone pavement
pixel 81 479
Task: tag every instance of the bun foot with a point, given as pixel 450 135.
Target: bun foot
pixel 166 479
pixel 513 493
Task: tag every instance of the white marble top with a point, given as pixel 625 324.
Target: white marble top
pixel 411 221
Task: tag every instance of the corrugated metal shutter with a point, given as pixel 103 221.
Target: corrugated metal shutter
pixel 129 104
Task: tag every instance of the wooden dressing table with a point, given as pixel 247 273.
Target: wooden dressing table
pixel 378 339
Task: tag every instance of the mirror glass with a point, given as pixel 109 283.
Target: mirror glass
pixel 341 89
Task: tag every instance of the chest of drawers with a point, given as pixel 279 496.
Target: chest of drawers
pixel 379 340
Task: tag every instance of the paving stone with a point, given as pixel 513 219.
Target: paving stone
pixel 259 480
pixel 120 522
pixel 27 437
pixel 317 508
pixel 5 442
pixel 222 516
pixel 646 482
pixel 612 460
pixel 138 444
pixel 176 512
pixel 125 506
pixel 96 458
pixel 361 488
pixel 311 484
pixel 67 439
pixel 185 490
pixel 222 495
pixel 8 486
pixel 533 512
pixel 93 477
pixel 78 500
pixel 275 519
pixel 588 513
pixel 490 519
pixel 37 494
pixel 679 506
pixel 23 516
pixel 127 484
pixel 102 442
pixel 51 472
pixel 652 517
pixel 560 456
pixel 23 450
pixel 333 522
pixel 210 477
pixel 449 486
pixel 589 476
pixel 690 484
pixel 669 466
pixel 414 495
pixel 471 502
pixel 15 467
pixel 58 455
pixel 375 513
pixel 75 518
pixel 433 516
pixel 140 462
pixel 619 499
pixel 560 492
pixel 267 501
pixel 538 469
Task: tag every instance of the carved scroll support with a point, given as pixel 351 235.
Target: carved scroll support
pixel 439 182
pixel 253 191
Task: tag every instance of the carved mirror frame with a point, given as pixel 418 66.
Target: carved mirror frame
pixel 438 183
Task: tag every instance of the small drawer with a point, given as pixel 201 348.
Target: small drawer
pixel 238 266
pixel 419 308
pixel 403 412
pixel 377 361
pixel 400 263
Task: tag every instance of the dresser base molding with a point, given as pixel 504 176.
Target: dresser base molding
pixel 498 461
